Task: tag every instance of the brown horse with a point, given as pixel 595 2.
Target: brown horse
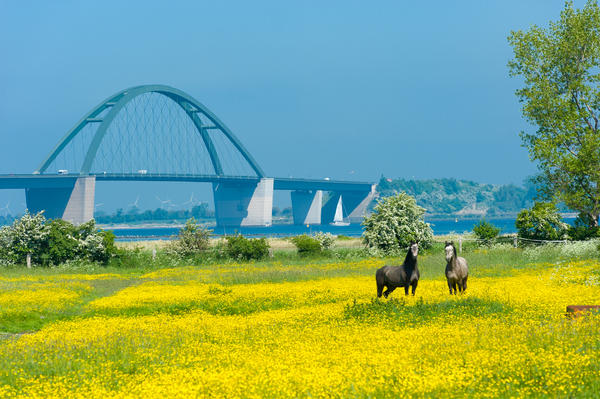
pixel 406 275
pixel 457 270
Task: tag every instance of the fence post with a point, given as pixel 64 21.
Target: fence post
pixel 29 261
pixel 153 253
pixel 516 242
pixel 459 244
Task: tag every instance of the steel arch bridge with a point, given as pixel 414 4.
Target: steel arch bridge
pixel 103 121
pixel 159 133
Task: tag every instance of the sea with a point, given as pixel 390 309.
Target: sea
pixel 439 227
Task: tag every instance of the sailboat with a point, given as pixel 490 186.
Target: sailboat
pixel 338 218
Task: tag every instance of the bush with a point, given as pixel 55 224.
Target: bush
pixel 326 240
pixel 541 222
pixel 583 229
pixel 192 238
pixel 306 245
pixel 241 248
pixel 486 231
pixel 395 223
pixel 27 235
pixel 53 242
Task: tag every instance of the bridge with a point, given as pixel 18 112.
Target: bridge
pixel 159 133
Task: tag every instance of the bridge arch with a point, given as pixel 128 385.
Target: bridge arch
pixel 105 113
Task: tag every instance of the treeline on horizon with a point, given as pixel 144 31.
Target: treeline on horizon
pixel 450 196
pixel 198 212
pixel 133 215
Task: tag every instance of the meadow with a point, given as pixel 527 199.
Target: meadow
pixel 304 328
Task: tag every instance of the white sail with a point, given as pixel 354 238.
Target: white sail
pixel 338 218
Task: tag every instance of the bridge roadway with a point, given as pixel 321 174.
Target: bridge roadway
pixel 239 200
pixel 24 181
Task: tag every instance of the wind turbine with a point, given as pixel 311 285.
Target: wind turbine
pixel 191 201
pixel 134 204
pixel 167 203
pixel 6 209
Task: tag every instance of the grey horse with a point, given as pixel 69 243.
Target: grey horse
pixel 457 270
pixel 405 275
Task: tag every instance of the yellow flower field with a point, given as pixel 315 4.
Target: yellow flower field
pixel 174 333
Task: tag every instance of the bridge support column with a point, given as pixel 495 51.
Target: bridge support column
pixel 328 211
pixel 354 205
pixel 244 204
pixel 74 204
pixel 306 207
pixel 357 203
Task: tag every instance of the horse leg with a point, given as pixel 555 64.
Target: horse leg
pixel 454 287
pixel 406 289
pixel 464 284
pixel 388 291
pixel 414 287
pixel 450 286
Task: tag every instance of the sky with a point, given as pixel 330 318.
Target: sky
pixel 350 90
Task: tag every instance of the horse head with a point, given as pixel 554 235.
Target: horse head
pixel 414 249
pixel 450 250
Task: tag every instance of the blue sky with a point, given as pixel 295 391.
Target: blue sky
pixel 340 89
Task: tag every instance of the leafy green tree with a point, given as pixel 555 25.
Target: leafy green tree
pixel 395 223
pixel 486 231
pixel 541 222
pixel 54 241
pixel 306 245
pixel 192 238
pixel 561 97
pixel 241 248
pixel 583 229
pixel 62 244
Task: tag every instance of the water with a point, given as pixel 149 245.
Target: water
pixel 440 227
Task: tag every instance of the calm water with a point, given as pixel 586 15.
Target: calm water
pixel 354 230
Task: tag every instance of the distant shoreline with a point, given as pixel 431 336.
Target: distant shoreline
pixel 178 225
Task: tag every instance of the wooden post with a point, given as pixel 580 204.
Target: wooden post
pixel 29 261
pixel 459 244
pixel 153 253
pixel 516 242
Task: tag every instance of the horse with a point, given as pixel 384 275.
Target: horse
pixel 405 275
pixel 457 270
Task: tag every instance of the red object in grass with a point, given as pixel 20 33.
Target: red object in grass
pixel 579 310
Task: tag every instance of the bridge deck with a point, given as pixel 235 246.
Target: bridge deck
pixel 22 181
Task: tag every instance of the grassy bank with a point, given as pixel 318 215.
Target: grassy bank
pixel 304 328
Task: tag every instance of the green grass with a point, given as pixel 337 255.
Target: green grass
pixel 283 267
pixel 400 313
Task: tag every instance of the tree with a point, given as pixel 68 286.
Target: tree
pixel 486 231
pixel 395 223
pixel 541 222
pixel 561 96
pixel 192 238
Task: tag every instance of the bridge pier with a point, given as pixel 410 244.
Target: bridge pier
pixel 306 206
pixel 73 203
pixel 244 204
pixel 354 205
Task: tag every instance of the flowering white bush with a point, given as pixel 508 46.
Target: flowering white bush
pixel 325 239
pixel 27 235
pixel 53 242
pixel 395 223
